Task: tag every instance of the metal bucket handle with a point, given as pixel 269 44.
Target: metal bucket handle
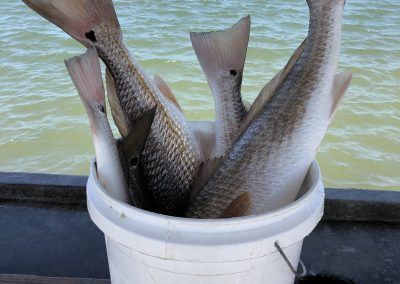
pixel 303 267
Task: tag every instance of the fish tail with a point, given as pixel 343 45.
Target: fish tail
pixel 78 18
pixel 221 55
pixel 222 51
pixel 85 73
pixel 316 5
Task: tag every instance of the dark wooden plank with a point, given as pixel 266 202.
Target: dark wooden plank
pixel 362 205
pixel 18 278
pixel 51 188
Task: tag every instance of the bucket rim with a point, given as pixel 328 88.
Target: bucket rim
pixel 161 219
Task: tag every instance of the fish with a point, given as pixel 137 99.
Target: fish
pixel 130 154
pixel 171 156
pixel 85 73
pixel 205 134
pixel 238 207
pixel 222 55
pixel 271 157
pixel 166 90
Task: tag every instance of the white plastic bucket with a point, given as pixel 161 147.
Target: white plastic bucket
pixel 145 247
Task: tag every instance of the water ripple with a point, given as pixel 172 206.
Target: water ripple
pixel 44 127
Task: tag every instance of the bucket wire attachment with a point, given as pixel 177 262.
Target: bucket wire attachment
pixel 303 267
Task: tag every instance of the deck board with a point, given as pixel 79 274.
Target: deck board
pixel 46 231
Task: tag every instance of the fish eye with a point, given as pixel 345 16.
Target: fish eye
pixel 134 162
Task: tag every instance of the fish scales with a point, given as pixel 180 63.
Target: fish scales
pixel 270 159
pixel 169 160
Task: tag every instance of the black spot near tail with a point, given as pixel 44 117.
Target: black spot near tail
pixel 91 36
pixel 233 72
pixel 102 109
pixel 134 162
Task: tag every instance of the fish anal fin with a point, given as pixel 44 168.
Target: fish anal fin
pixel 205 134
pixel 240 206
pixel 269 89
pixel 206 170
pixel 166 90
pixel 116 109
pixel 340 85
pixel 78 18
pixel 223 50
pixel 135 140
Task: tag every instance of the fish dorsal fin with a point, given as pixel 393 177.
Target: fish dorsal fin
pixel 204 131
pixel 206 170
pixel 166 91
pixel 225 49
pixel 340 85
pixel 134 142
pixel 269 89
pixel 240 206
pixel 116 110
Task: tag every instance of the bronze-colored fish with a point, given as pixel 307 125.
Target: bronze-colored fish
pixel 86 76
pixel 171 156
pixel 221 55
pixel 271 157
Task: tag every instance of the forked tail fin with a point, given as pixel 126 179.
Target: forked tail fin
pixel 220 50
pixel 86 75
pixel 78 18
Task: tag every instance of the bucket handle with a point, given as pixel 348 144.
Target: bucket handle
pixel 303 267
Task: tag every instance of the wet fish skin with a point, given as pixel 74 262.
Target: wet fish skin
pixel 221 55
pixel 86 76
pixel 271 158
pixel 171 156
pixel 130 153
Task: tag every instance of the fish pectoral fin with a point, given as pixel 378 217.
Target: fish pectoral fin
pixel 77 17
pixel 135 140
pixel 204 131
pixel 340 85
pixel 206 170
pixel 116 109
pixel 269 89
pixel 240 206
pixel 166 90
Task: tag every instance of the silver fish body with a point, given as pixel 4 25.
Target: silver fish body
pixel 130 150
pixel 171 156
pixel 86 76
pixel 222 55
pixel 271 157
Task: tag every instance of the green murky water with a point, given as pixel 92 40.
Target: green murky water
pixel 43 127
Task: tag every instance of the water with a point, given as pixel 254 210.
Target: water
pixel 44 127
